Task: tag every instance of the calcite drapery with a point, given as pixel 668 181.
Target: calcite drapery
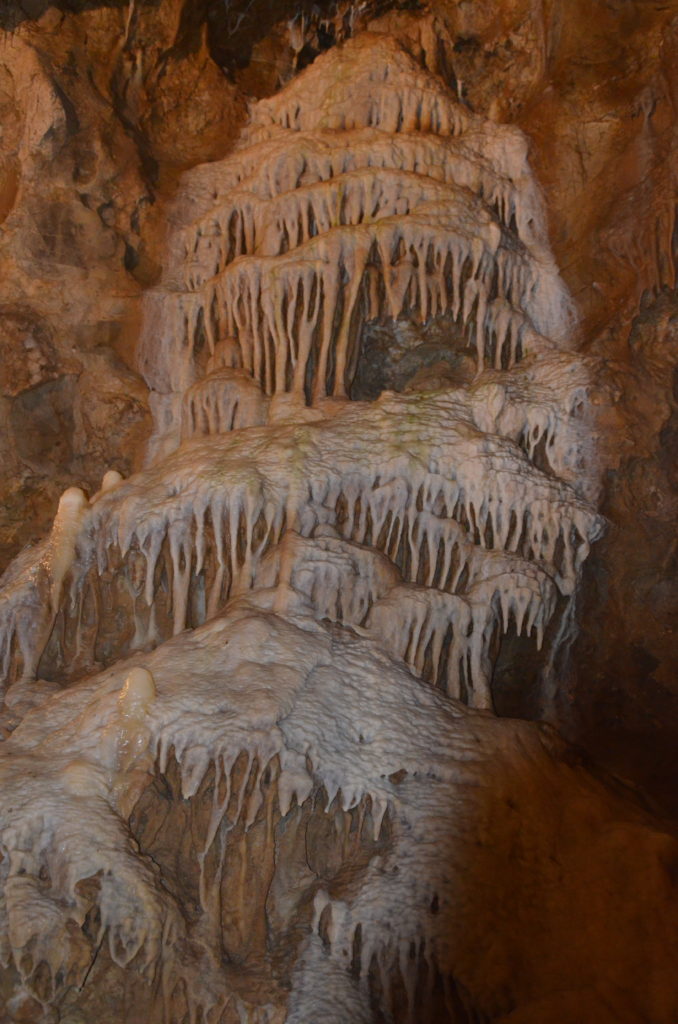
pixel 328 214
pixel 300 547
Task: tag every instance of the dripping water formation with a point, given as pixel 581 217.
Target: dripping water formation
pixel 251 769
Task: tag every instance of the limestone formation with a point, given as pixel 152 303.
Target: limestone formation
pixel 250 770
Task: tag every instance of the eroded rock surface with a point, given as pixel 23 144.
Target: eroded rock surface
pixel 98 108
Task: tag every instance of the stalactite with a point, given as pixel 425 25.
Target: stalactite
pixel 436 498
pixel 437 213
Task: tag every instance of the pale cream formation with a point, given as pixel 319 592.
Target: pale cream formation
pixel 285 631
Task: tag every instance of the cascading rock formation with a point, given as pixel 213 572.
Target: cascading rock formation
pixel 250 769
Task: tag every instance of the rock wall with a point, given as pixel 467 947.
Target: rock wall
pixel 95 119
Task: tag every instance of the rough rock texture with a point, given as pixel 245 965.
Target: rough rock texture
pixel 354 845
pixel 97 109
pixel 624 702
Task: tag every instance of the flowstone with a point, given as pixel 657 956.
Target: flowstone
pixel 250 767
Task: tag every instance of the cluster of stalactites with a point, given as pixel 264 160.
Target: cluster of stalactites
pixel 224 400
pixel 429 524
pixel 265 720
pixel 293 243
pixel 441 623
pixel 489 161
pixel 369 82
pixel 288 247
pixel 449 506
pixel 297 315
pixel 67 775
pixel 352 472
pixel 247 225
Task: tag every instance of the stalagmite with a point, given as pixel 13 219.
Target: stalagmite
pixel 249 770
pixel 137 693
pixel 62 540
pixel 111 479
pixel 33 588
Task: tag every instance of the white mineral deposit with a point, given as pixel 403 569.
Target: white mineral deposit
pixel 270 785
